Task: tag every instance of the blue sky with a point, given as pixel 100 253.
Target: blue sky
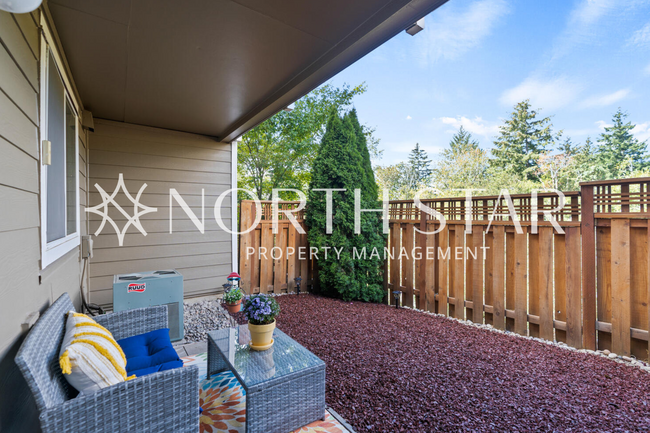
pixel 577 61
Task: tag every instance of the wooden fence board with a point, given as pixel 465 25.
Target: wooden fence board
pixel 407 265
pixel 545 282
pixel 559 248
pixel 280 260
pixel 604 283
pixel 573 307
pixel 255 265
pixel 443 274
pixel 638 288
pixel 510 279
pixel 246 241
pixel 451 269
pixel 459 272
pixel 498 280
pixel 395 247
pixel 521 282
pixel 477 277
pixel 621 286
pixel 534 280
pixel 292 260
pixel 469 273
pixel 489 272
pixel 430 269
pixel 266 265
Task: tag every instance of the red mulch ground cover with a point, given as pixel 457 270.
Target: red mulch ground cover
pixel 392 370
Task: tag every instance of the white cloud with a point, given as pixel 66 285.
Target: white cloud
pixel 450 33
pixel 647 69
pixel 642 131
pixel 602 125
pixel 476 126
pixel 545 94
pixel 605 100
pixel 641 37
pixel 582 24
pixel 408 117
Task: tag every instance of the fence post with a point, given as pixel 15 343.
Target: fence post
pixel 587 228
pixel 246 218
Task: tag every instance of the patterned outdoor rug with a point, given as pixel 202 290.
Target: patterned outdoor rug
pixel 223 401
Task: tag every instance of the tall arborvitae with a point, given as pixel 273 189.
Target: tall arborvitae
pixel 371 238
pixel 338 165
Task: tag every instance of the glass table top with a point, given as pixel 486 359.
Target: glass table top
pixel 252 367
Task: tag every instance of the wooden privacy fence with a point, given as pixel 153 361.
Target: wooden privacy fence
pixel 587 287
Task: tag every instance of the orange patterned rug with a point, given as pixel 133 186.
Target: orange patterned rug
pixel 223 401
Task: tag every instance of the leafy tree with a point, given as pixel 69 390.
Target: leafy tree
pixel 420 166
pixel 279 152
pixel 339 164
pixel 621 153
pixel 396 179
pixel 521 141
pixel 462 165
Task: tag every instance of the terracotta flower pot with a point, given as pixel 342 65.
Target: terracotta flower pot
pixel 261 336
pixel 234 308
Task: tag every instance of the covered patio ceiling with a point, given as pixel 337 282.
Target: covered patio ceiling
pixel 216 67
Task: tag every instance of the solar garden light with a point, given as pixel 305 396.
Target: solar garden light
pixel 298 280
pixel 396 294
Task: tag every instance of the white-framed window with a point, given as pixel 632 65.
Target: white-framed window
pixel 60 215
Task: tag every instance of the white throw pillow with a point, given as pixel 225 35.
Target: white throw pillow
pixel 90 358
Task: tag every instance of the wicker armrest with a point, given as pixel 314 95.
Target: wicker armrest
pixel 161 402
pixel 128 323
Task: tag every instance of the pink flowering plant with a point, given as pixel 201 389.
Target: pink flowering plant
pixel 261 309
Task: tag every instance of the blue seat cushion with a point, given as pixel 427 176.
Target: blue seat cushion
pixel 149 353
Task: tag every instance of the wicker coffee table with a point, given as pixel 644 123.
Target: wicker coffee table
pixel 285 385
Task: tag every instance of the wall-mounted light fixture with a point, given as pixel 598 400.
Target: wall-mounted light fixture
pixel 416 28
pixel 19 6
pixel 289 108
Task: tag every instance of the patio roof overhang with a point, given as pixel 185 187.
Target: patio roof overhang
pixel 216 67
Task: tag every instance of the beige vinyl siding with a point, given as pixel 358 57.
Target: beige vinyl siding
pixel 162 159
pixel 24 288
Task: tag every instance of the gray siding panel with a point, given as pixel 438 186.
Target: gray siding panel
pixel 25 288
pixel 162 159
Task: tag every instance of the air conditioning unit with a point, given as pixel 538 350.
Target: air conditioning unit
pixel 146 289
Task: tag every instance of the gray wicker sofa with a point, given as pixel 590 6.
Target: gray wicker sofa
pixel 167 401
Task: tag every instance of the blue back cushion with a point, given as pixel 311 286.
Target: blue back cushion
pixel 149 353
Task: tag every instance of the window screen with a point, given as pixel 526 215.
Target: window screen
pixel 56 179
pixel 71 168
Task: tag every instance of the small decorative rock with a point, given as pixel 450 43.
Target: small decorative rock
pixel 202 317
pixel 612 355
pixel 606 352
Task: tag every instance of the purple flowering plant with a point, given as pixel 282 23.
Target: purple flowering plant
pixel 261 309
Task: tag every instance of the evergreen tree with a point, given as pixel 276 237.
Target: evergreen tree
pixel 339 164
pixel 370 275
pixel 420 165
pixel 462 142
pixel 521 142
pixel 621 153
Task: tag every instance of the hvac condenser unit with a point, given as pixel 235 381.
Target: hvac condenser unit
pixel 146 289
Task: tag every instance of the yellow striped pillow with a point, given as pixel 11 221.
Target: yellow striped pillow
pixel 90 358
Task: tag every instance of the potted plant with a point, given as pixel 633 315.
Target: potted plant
pixel 261 311
pixel 233 299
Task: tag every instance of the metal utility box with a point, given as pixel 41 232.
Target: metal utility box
pixel 146 289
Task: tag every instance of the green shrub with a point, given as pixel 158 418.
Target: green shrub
pixel 340 165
